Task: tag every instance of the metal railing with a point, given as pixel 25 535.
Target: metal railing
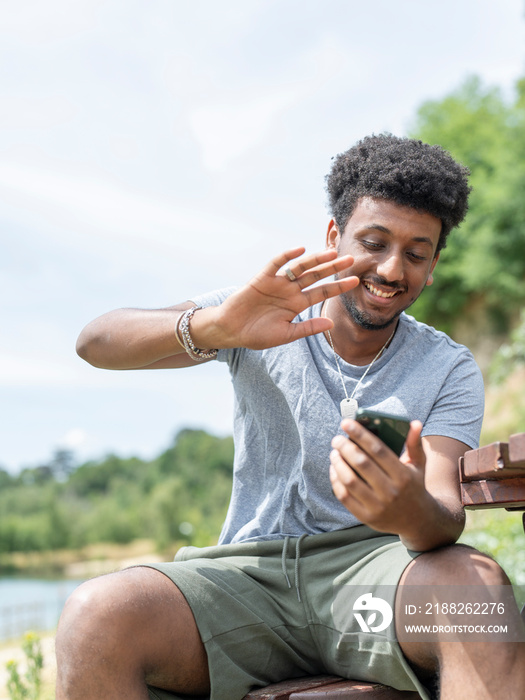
pixel 16 620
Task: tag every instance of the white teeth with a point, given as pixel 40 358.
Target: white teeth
pixel 378 292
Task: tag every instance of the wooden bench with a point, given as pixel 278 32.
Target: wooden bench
pixel 490 477
pixel 329 688
pixel 494 476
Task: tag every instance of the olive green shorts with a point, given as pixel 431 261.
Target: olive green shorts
pixel 272 610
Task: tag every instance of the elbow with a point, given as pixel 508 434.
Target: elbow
pixel 86 349
pixel 82 347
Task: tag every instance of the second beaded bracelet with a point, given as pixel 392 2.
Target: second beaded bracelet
pixel 182 331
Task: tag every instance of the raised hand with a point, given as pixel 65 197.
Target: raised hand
pixel 261 314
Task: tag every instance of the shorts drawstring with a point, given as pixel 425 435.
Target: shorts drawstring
pixel 297 560
pixel 283 560
pixel 297 563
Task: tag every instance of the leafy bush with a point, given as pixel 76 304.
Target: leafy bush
pixel 26 687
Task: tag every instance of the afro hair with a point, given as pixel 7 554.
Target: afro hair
pixel 402 170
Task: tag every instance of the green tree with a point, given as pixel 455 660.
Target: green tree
pixel 181 496
pixel 5 478
pixel 511 355
pixel 483 265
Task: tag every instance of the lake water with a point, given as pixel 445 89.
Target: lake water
pixel 31 604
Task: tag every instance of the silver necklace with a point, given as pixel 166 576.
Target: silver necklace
pixel 349 405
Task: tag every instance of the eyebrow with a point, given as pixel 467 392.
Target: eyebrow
pixel 384 229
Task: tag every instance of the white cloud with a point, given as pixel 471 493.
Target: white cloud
pixel 73 439
pixel 24 112
pixel 229 127
pixel 226 131
pixel 94 203
pixel 28 370
pixel 34 22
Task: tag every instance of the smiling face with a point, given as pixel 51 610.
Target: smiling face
pixel 394 250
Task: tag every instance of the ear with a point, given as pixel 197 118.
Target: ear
pixel 430 278
pixel 332 235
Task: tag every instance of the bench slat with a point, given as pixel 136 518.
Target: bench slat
pixel 494 493
pixel 329 688
pixel 283 690
pixel 355 690
pixel 517 447
pixel 499 460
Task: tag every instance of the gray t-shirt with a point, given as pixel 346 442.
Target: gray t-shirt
pixel 287 411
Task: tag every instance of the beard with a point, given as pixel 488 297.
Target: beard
pixel 364 319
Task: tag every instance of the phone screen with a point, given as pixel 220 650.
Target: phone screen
pixel 392 430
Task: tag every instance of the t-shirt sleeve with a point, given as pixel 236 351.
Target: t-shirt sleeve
pixel 216 298
pixel 458 410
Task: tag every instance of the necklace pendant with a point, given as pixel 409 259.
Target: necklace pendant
pixel 349 408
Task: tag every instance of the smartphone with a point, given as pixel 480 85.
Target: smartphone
pixel 392 430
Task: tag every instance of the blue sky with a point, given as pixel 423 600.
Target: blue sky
pixel 153 149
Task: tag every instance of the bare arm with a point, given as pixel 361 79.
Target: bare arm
pixel 416 496
pixel 134 339
pixel 259 315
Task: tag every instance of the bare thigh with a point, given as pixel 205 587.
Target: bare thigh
pixel 124 631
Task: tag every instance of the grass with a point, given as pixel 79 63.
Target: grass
pixel 500 534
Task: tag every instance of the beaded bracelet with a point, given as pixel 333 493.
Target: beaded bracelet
pixel 182 331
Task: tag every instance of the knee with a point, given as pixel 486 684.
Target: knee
pixel 78 640
pixel 84 614
pixel 97 628
pixel 96 618
pixel 456 565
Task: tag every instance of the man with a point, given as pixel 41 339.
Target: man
pixel 320 508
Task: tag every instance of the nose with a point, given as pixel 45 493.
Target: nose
pixel 391 267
